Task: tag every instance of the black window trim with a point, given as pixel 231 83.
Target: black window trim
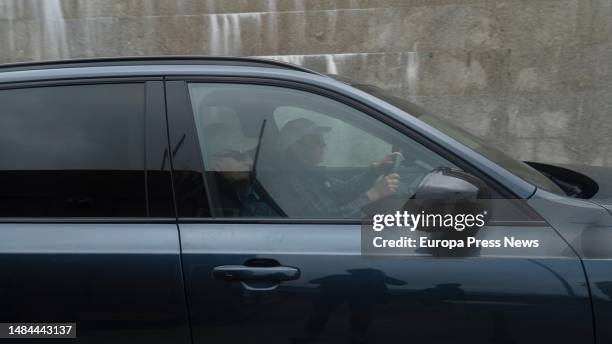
pixel 77 81
pixel 93 220
pixel 357 105
pixel 86 220
pixel 196 137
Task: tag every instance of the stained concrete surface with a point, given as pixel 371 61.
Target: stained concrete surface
pixel 532 76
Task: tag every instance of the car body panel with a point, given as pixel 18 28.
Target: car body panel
pixel 600 283
pixel 485 296
pixel 587 227
pixel 119 283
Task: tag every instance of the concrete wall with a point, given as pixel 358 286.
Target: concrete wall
pixel 533 76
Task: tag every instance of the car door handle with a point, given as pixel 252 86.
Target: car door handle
pixel 248 273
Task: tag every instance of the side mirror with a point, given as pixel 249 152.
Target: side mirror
pixel 452 191
pixel 451 184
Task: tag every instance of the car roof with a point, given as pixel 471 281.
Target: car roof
pixel 153 60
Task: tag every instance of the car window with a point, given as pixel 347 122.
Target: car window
pixel 72 151
pixel 274 152
pixel 343 149
pixel 500 157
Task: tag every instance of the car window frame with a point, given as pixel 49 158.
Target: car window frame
pixel 343 98
pixel 147 105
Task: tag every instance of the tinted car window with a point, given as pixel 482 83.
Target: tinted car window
pixel 349 146
pixel 275 152
pixel 501 158
pixel 72 151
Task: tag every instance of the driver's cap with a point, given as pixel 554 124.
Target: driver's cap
pixel 296 129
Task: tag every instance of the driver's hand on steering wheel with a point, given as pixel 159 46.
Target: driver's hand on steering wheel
pixel 385 187
pixel 387 162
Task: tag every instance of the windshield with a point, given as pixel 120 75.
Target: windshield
pixel 517 167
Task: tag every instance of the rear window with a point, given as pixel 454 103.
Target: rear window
pixel 72 151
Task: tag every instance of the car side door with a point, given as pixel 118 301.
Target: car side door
pixel 273 253
pixel 88 233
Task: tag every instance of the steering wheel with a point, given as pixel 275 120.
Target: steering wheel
pixel 411 173
pixel 397 161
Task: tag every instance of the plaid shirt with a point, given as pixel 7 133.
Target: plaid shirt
pixel 308 192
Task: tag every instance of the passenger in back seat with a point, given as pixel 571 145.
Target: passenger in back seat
pixel 232 159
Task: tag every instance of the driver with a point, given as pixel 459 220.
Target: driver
pixel 308 192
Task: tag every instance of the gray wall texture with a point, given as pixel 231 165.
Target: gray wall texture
pixel 532 76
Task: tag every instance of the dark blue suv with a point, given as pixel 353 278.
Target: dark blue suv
pixel 221 200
